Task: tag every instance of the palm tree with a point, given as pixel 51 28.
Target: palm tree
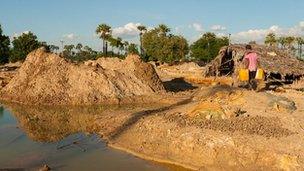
pixel 270 39
pixel 282 42
pixel 142 29
pixel 289 41
pixel 104 32
pixel 119 44
pixel 113 43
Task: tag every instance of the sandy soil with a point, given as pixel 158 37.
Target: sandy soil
pixel 210 127
pixel 48 79
pixel 265 133
pixel 264 138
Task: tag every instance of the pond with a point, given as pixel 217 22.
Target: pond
pixel 28 142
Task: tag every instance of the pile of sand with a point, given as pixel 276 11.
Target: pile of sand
pixel 46 78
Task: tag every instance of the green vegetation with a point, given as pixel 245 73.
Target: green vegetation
pixel 142 29
pixel 4 47
pixel 79 53
pixel 207 47
pixel 104 32
pixel 132 49
pixel 286 43
pixel 270 39
pixel 159 45
pixel 155 44
pixel 23 45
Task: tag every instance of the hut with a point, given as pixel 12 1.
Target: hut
pixel 279 65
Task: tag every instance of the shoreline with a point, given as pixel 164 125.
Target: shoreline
pixel 149 158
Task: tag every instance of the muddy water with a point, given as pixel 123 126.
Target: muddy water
pixel 30 138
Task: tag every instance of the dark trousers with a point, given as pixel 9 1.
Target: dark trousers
pixel 252 81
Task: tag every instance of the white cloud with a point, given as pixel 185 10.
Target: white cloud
pixel 70 36
pixel 127 31
pixel 260 34
pixel 197 27
pixel 218 28
pixel 301 25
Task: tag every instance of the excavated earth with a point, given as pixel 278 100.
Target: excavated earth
pixel 46 78
pixel 215 127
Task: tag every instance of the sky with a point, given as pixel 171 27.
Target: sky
pixel 75 21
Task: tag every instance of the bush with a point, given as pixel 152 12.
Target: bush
pixel 23 45
pixel 158 45
pixel 207 47
pixel 4 47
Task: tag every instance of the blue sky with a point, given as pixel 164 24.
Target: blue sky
pixel 75 20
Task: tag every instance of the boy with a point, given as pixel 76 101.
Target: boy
pixel 251 60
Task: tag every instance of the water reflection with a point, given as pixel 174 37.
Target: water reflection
pixel 63 137
pixel 46 124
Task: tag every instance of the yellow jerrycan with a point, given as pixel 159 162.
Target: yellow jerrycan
pixel 244 75
pixel 259 74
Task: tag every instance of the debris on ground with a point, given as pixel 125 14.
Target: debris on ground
pixel 219 102
pixel 281 104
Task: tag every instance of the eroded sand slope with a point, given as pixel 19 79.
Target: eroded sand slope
pixel 46 78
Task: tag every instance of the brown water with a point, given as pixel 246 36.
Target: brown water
pixel 28 140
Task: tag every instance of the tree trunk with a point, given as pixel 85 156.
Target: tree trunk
pixel 140 39
pixel 112 51
pixel 106 48
pixel 300 51
pixel 103 46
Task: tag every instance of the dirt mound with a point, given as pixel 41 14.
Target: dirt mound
pixel 46 78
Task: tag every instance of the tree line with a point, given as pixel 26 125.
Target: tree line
pixel 156 44
pixel 159 44
pixel 289 43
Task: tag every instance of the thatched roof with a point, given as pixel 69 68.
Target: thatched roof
pixel 273 60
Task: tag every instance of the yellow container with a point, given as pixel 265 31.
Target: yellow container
pixel 260 74
pixel 244 75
